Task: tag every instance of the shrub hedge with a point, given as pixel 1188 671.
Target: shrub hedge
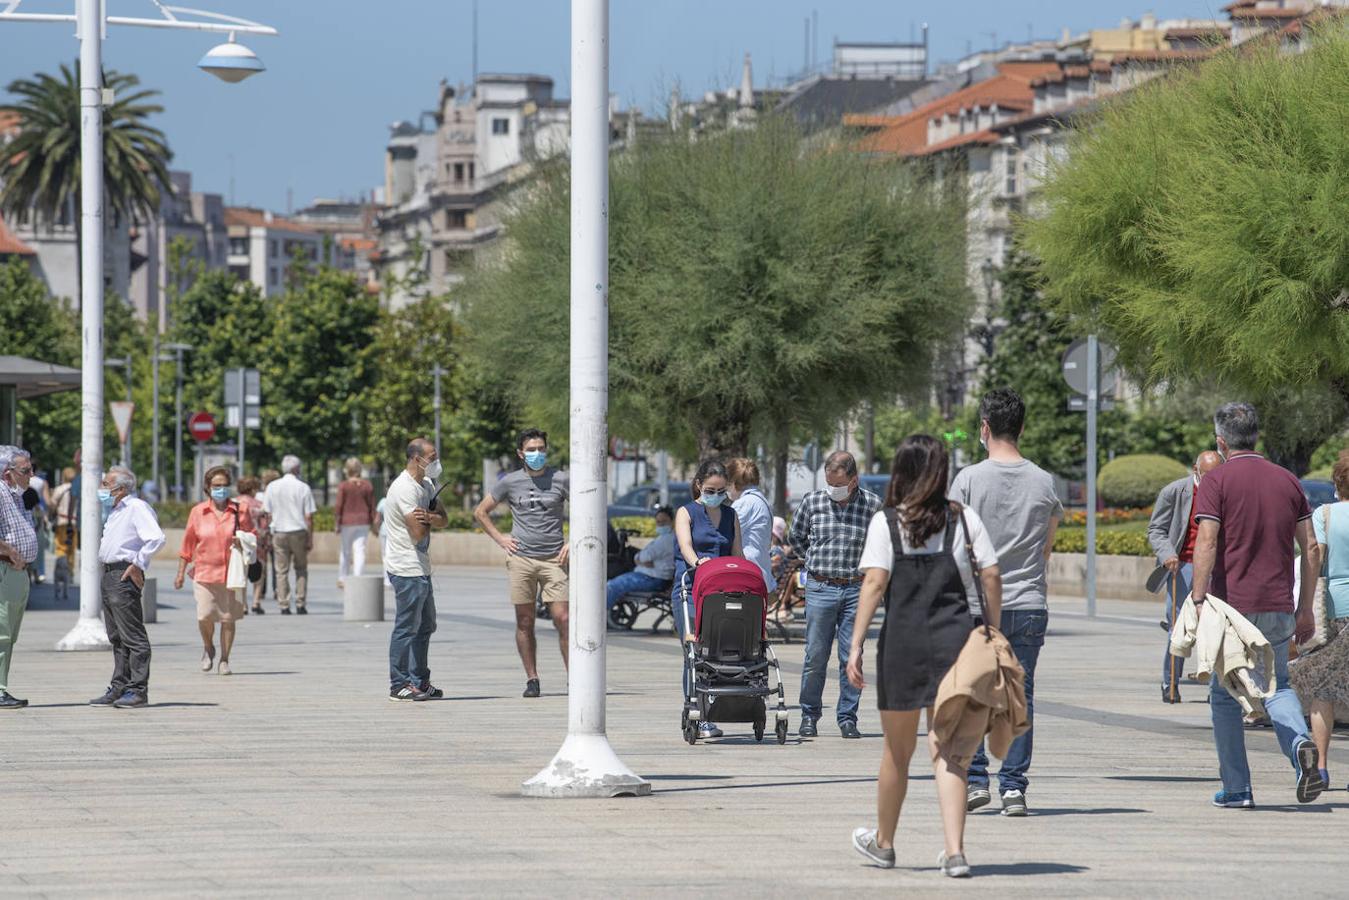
pixel 1134 480
pixel 1111 543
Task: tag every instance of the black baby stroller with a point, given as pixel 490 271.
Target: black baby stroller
pixel 727 657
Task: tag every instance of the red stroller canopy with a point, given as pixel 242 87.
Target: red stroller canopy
pixel 726 575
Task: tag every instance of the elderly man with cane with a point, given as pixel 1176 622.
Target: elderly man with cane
pixel 1172 532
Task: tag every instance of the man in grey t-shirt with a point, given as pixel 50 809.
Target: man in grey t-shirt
pixel 1015 499
pixel 536 550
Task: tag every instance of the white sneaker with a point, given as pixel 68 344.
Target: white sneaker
pixel 864 842
pixel 225 667
pixel 954 866
pixel 207 661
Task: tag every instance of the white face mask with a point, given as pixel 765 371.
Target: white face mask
pixel 433 469
pixel 838 493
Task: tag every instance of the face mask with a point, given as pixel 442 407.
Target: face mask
pixel 712 499
pixel 220 493
pixel 663 530
pixel 838 493
pixel 433 469
pixel 536 459
pixel 105 499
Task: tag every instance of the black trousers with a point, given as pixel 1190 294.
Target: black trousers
pixel 125 621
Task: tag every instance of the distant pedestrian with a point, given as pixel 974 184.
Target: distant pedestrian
pixel 353 515
pixel 410 514
pixel 1250 513
pixel 39 493
pixel 64 510
pixel 655 563
pixel 536 549
pixel 131 537
pixel 916 561
pixel 1172 531
pixel 249 502
pixel 212 531
pixel 755 514
pixel 704 529
pixel 18 549
pixel 269 570
pixel 1323 676
pixel 290 505
pixel 1016 501
pixel 830 531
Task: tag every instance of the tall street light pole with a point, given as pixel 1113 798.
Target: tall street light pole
pixel 586 766
pixel 177 349
pixel 230 62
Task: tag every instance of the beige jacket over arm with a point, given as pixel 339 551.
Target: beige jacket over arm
pixel 1228 647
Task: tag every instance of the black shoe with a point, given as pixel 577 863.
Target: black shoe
pixel 431 691
pixel 131 700
pixel 408 692
pixel 285 610
pixel 8 702
pixel 258 610
pixel 1167 696
pixel 849 730
pixel 807 728
pixel 531 688
pixel 302 611
pixel 108 697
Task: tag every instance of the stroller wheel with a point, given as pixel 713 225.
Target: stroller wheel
pixel 623 615
pixel 782 731
pixel 691 733
pixel 758 731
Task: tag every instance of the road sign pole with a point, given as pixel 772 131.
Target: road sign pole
pixel 1093 404
pixel 178 427
pixel 243 416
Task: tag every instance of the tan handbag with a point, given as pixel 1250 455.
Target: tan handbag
pixel 1320 598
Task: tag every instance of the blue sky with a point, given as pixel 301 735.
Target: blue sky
pixel 342 70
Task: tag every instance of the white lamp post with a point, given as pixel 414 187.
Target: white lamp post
pixel 586 766
pixel 91 22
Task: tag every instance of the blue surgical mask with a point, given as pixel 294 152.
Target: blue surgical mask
pixel 105 499
pixel 536 459
pixel 220 493
pixel 663 530
pixel 712 499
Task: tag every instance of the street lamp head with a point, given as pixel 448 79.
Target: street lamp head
pixel 231 62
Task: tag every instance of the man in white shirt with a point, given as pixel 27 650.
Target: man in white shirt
pixel 655 563
pixel 290 504
pixel 131 536
pixel 410 512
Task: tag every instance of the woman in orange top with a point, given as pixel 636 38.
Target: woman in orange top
pixel 206 545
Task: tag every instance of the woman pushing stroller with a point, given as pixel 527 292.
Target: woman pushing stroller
pixel 916 560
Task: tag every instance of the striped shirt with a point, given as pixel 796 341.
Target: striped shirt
pixel 831 535
pixel 16 525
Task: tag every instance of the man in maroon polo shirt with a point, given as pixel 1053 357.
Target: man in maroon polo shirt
pixel 1250 513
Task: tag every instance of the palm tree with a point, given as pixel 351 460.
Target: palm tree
pixel 40 168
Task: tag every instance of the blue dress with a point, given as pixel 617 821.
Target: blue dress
pixel 708 541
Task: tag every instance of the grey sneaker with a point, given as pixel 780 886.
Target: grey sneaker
pixel 954 866
pixel 1307 759
pixel 977 798
pixel 1014 804
pixel 864 842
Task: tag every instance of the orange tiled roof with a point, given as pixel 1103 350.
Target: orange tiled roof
pixel 357 244
pixel 960 140
pixel 11 245
pixel 256 218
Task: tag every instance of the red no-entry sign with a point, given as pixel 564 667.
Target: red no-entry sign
pixel 202 426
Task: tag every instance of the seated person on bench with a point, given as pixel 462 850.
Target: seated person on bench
pixel 655 563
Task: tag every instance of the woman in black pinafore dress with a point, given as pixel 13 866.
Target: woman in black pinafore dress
pixel 931 558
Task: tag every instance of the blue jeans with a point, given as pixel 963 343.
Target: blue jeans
pixel 628 583
pixel 1025 631
pixel 414 620
pixel 1172 666
pixel 1284 709
pixel 830 611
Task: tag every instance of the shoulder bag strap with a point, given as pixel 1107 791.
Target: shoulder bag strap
pixel 974 572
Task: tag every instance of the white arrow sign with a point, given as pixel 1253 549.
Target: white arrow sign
pixel 121 417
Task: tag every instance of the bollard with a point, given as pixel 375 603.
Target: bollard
pixel 150 602
pixel 363 599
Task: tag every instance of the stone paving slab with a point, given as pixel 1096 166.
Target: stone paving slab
pixel 296 777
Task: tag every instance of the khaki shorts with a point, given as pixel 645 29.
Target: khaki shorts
pixel 529 576
pixel 217 603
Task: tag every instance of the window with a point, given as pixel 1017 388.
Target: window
pixel 273 277
pixel 275 251
pixel 458 172
pixel 456 218
pixel 471 176
pixel 1010 186
pixel 501 126
pixel 238 246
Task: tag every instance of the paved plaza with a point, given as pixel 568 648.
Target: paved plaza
pixel 297 777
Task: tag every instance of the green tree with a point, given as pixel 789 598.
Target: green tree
pixel 40 168
pixel 35 325
pixel 755 285
pixel 317 364
pixel 1199 220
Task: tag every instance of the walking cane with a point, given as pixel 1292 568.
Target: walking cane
pixel 1172 685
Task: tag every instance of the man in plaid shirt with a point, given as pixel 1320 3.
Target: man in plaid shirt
pixel 18 548
pixel 830 530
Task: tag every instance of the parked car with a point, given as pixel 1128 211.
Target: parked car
pixel 1318 492
pixel 643 499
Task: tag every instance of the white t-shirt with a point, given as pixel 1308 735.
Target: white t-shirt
pixel 288 500
pixel 879 550
pixel 401 555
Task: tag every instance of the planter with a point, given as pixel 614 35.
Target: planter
pixel 1117 577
